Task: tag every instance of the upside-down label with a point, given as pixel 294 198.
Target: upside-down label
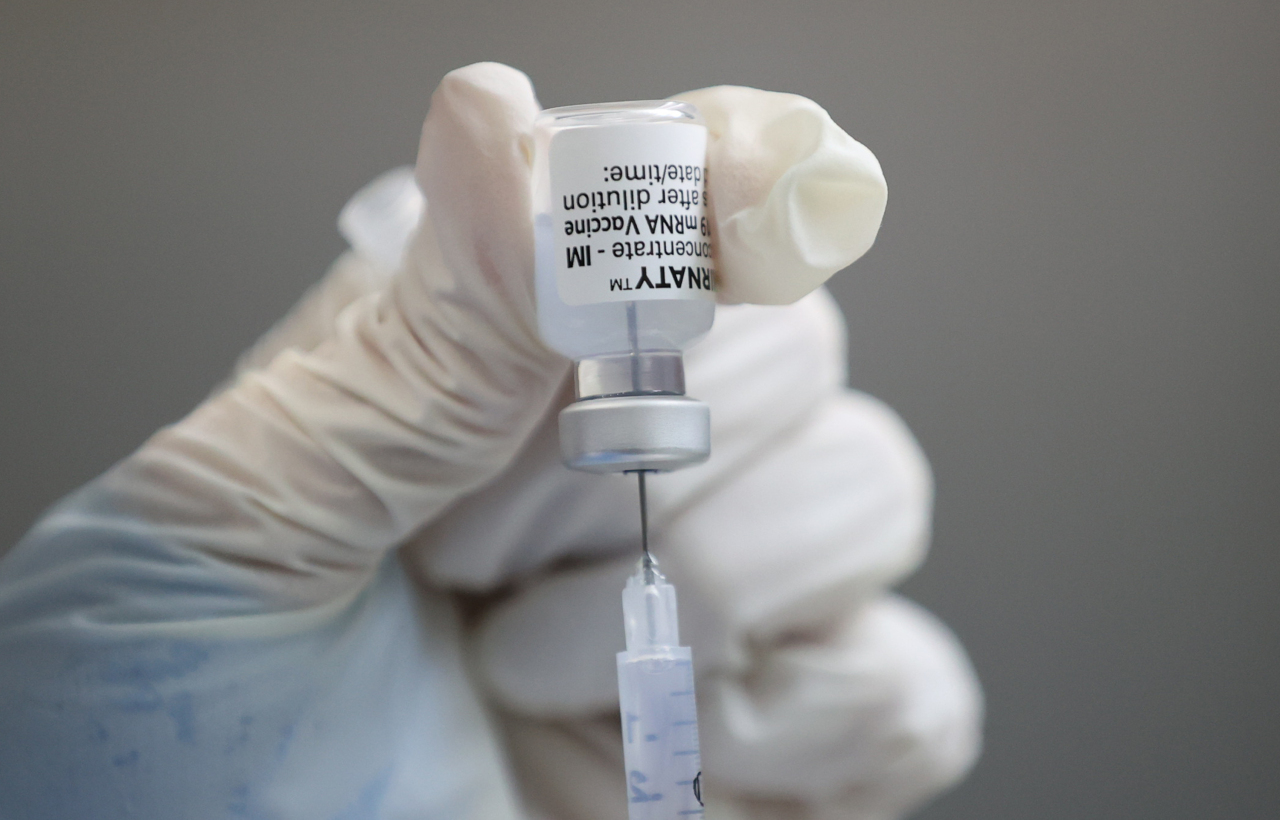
pixel 629 212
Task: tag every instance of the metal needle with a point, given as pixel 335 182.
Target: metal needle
pixel 647 561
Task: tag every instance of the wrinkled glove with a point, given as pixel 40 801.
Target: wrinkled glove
pixel 818 691
pixel 211 628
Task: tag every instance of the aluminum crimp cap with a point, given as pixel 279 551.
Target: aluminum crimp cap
pixel 624 433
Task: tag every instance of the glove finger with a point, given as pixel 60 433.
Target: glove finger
pixel 772 369
pixel 877 716
pixel 880 714
pixel 815 527
pixel 809 532
pixel 549 651
pixel 302 474
pixel 379 221
pixel 479 113
pixel 474 169
pixel 762 370
pixel 795 198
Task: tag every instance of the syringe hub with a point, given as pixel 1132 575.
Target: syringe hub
pixel 649 610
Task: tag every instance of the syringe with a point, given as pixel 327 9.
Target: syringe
pixel 625 315
pixel 655 692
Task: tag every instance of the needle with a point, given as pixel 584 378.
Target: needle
pixel 644 530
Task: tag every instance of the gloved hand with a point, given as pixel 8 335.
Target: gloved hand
pixel 211 628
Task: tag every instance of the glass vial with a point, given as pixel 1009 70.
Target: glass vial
pixel 625 278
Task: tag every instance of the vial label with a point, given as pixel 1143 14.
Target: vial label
pixel 629 213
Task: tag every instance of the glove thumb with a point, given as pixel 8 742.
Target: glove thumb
pixel 795 198
pixel 300 476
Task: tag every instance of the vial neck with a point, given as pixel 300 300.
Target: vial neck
pixel 638 373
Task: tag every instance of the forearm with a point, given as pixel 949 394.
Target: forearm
pixel 133 683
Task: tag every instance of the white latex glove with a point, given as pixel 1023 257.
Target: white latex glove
pixel 817 499
pixel 820 694
pixel 210 628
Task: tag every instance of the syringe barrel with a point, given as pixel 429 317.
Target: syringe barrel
pixel 660 734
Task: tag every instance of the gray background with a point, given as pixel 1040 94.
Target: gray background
pixel 1073 302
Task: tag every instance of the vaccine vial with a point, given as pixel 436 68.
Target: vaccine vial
pixel 625 277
